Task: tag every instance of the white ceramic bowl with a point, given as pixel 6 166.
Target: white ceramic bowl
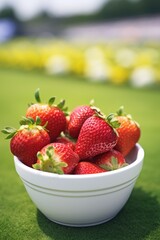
pixel 82 200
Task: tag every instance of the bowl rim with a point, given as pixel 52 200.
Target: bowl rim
pixel 140 156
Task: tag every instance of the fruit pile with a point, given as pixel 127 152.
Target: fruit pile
pixel 84 141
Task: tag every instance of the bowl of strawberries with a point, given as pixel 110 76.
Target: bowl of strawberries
pixel 79 169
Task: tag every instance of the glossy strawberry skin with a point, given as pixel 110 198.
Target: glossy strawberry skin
pixel 66 140
pixel 77 118
pixel 27 142
pixel 128 134
pixel 110 160
pixel 87 168
pixel 53 116
pixel 62 153
pixel 96 137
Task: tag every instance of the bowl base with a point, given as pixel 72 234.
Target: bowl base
pixel 81 224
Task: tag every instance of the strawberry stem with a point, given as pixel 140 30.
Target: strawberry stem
pixel 91 104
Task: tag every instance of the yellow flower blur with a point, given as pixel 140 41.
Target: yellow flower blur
pixel 113 62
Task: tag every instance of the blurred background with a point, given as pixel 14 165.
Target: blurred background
pixel 106 50
pixel 112 41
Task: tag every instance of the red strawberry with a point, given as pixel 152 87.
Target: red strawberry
pixel 77 118
pixel 128 132
pixel 57 158
pixel 111 160
pixel 51 114
pixel 96 136
pixel 27 141
pixel 66 140
pixel 87 168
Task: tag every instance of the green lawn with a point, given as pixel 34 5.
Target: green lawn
pixel 19 218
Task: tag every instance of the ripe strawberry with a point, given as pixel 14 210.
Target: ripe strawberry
pixel 66 140
pixel 128 132
pixel 51 114
pixel 57 158
pixel 111 160
pixel 77 118
pixel 96 136
pixel 87 168
pixel 27 140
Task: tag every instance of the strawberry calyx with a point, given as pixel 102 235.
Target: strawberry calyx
pixel 25 123
pixel 120 112
pixel 110 119
pixel 113 164
pixel 49 162
pixel 9 131
pixel 60 105
pixel 113 122
pixel 31 122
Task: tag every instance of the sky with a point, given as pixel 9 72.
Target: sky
pixel 26 9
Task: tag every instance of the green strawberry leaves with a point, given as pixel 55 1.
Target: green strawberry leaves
pixel 9 131
pixel 37 95
pixel 120 112
pixel 112 121
pixel 49 162
pixel 113 165
pixel 51 101
pixel 30 121
pixel 25 123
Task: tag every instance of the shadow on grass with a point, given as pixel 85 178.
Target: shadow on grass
pixel 137 219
